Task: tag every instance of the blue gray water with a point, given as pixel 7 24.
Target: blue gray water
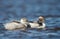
pixel 31 9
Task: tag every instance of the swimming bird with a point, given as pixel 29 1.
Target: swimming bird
pixel 39 24
pixel 16 25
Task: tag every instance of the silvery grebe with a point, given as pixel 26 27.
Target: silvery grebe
pixel 39 24
pixel 16 24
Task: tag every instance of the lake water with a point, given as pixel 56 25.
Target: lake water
pixel 31 9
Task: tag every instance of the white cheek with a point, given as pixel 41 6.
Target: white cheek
pixel 21 21
pixel 44 25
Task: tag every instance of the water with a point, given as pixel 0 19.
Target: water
pixel 31 9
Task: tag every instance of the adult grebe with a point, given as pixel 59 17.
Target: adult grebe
pixel 16 25
pixel 39 24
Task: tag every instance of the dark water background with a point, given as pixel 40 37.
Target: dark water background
pixel 31 9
